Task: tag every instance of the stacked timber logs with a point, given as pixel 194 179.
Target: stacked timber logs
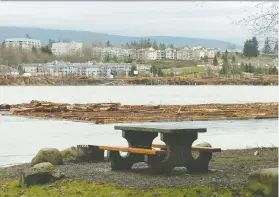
pixel 114 112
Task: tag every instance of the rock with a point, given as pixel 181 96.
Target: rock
pixel 39 174
pixel 58 175
pixel 69 152
pixel 45 166
pixel 256 153
pixel 89 153
pixel 51 155
pixel 203 144
pixel 264 182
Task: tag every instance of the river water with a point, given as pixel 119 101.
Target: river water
pixel 21 138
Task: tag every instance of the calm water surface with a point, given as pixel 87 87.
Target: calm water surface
pixel 140 94
pixel 21 138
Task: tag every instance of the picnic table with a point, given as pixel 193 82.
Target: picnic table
pixel 176 152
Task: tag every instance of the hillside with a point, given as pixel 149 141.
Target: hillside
pixel 85 36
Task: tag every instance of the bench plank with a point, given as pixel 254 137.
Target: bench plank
pixel 133 150
pixel 195 148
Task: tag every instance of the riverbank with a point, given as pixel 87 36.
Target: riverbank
pixel 79 81
pixel 228 175
pixel 116 113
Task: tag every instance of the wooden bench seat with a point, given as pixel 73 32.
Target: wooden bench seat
pixel 133 150
pixel 195 148
pixel 152 151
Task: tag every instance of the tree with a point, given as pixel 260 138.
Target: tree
pixel 133 68
pixel 233 59
pixel 273 71
pixel 251 48
pixel 209 72
pixel 34 49
pixel 20 70
pixel 162 46
pixel 264 21
pixel 275 49
pixel 154 45
pixel 46 50
pixel 108 44
pixel 225 67
pixel 205 59
pixel 215 61
pixel 218 54
pixel 27 36
pixel 156 70
pixel 267 48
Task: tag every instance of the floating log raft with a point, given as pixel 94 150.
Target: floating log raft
pixel 115 112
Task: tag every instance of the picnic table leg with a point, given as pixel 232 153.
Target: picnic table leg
pixel 178 152
pixel 200 164
pixel 134 139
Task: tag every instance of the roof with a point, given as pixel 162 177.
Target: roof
pixel 20 39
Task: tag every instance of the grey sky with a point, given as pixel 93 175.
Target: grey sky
pixel 190 19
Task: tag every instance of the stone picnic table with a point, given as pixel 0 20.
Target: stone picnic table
pixel 176 153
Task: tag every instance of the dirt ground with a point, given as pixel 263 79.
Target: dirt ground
pixel 228 169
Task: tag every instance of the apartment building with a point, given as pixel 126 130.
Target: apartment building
pixel 24 44
pixel 67 48
pixel 171 53
pixel 185 53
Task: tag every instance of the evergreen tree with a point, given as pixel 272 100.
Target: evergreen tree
pixel 273 71
pixel 215 61
pixel 205 59
pixel 133 68
pixel 225 67
pixel 154 45
pixel 108 44
pixel 267 48
pixel 251 48
pixel 256 46
pixel 233 59
pixel 275 49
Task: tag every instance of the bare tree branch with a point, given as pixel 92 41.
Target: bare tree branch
pixel 265 21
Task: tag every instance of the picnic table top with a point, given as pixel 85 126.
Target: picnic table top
pixel 160 128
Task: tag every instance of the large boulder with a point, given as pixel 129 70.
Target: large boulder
pixel 264 182
pixel 39 174
pixel 51 155
pixel 203 144
pixel 69 153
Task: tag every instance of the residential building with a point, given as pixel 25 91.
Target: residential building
pixel 185 54
pixel 69 48
pixel 171 53
pixel 24 44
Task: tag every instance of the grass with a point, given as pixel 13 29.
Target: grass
pixel 187 70
pixel 173 63
pixel 69 188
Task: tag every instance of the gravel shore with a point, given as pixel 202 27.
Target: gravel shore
pixel 229 169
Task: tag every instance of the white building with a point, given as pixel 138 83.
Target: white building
pixel 24 44
pixel 171 53
pixel 185 54
pixel 67 48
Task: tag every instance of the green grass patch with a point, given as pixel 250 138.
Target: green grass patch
pixel 3 173
pixel 85 189
pixel 187 70
pixel 173 63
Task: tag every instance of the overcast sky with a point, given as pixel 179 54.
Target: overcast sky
pixel 187 19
